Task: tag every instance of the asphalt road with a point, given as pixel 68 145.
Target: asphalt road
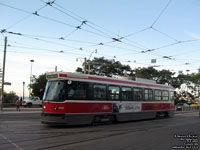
pixel 23 131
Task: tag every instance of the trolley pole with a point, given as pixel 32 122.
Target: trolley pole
pixel 3 74
pixel 85 61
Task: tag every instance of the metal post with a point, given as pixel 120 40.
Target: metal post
pixel 23 89
pixel 31 76
pixel 3 74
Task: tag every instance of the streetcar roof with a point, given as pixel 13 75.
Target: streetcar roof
pixel 105 80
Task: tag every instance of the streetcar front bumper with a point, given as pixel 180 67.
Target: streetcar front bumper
pixel 66 119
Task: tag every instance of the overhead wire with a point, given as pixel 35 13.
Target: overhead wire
pixel 75 16
pixel 115 39
pixel 38 37
pixel 121 40
pixel 83 22
pixel 49 42
pixel 169 45
pixel 51 19
pixel 82 48
pixel 24 18
pixel 48 37
pixel 155 29
pixel 161 13
pixel 170 37
pixel 46 50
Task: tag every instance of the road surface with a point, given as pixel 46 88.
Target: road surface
pixel 23 131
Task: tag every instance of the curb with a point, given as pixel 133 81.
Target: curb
pixel 19 112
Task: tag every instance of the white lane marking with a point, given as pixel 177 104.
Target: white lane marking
pixel 12 143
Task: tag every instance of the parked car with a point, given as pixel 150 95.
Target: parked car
pixel 180 106
pixel 32 101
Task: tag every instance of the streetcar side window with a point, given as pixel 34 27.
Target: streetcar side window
pixel 77 91
pixel 126 93
pixel 158 95
pixel 113 92
pixel 137 94
pixel 148 95
pixel 99 91
pixel 165 95
pixel 171 96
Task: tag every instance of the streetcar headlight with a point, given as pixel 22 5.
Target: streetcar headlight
pixel 44 107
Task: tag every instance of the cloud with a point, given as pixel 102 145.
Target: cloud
pixel 193 35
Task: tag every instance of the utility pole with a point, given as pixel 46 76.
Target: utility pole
pixel 3 74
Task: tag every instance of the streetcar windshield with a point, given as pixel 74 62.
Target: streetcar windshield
pixel 61 90
pixel 54 91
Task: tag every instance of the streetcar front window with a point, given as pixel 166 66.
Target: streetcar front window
pixel 61 90
pixel 54 91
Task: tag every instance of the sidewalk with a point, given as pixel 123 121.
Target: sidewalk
pixel 9 110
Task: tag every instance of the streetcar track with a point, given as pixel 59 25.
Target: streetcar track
pixel 73 133
pixel 47 133
pixel 112 128
pixel 26 132
pixel 92 139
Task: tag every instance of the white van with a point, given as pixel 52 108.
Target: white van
pixel 32 101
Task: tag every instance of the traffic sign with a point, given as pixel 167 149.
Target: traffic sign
pixel 7 83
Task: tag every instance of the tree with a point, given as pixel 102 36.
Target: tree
pixel 102 66
pixel 38 85
pixel 161 77
pixel 110 68
pixel 189 87
pixel 146 73
pixel 10 97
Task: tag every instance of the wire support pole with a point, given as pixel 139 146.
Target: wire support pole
pixel 3 74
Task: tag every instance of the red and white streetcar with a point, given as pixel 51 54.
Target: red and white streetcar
pixel 75 99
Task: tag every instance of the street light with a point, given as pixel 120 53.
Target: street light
pixel 87 61
pixel 95 51
pixel 31 75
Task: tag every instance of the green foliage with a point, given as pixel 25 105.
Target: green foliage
pixel 105 67
pixel 79 70
pixel 146 73
pixel 162 77
pixel 102 66
pixel 10 97
pixel 38 85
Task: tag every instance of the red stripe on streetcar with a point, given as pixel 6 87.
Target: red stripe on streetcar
pixel 157 106
pixel 126 82
pixel 63 75
pixel 111 80
pixel 89 107
pixel 77 107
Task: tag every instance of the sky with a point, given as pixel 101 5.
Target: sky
pixel 59 32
